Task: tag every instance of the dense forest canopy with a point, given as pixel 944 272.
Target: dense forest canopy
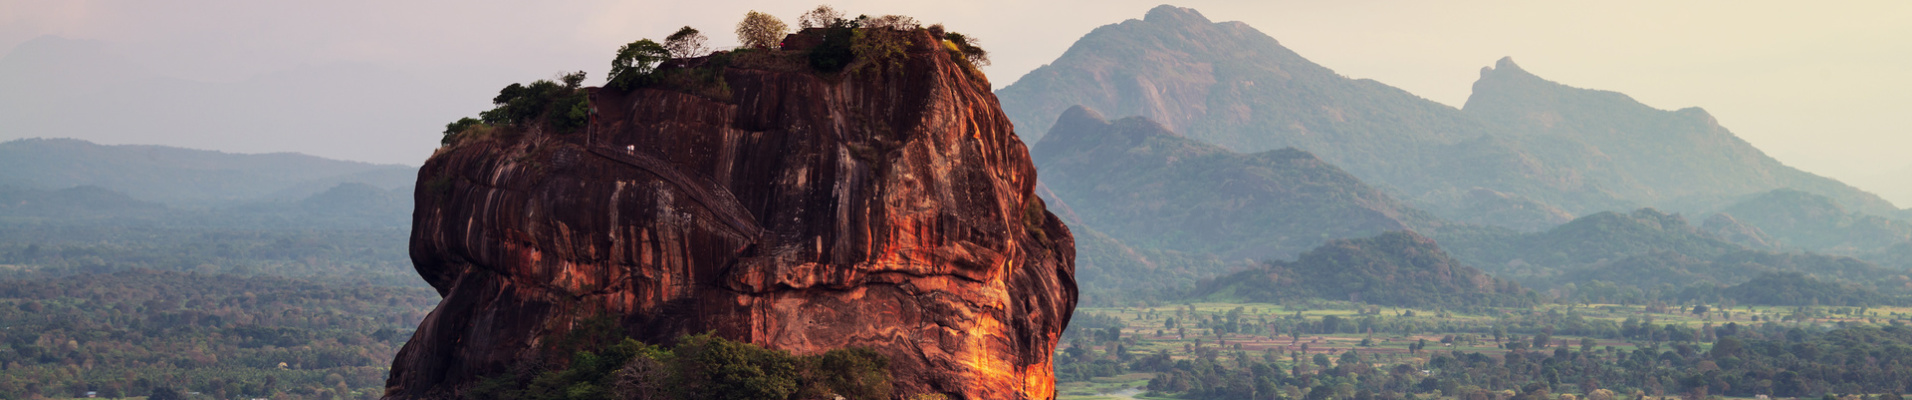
pixel 132 331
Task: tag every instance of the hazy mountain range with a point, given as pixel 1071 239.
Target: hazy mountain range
pixel 1226 149
pixel 1177 149
pixel 58 87
pixel 1142 183
pixel 184 177
pixel 1545 151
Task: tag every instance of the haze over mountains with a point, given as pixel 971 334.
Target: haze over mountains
pixel 857 190
pixel 1145 184
pixel 184 177
pixel 1547 150
pixel 58 87
pixel 1225 146
pixel 1177 149
pixel 97 193
pixel 1678 159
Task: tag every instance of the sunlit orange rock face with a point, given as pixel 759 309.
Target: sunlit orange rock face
pixel 888 207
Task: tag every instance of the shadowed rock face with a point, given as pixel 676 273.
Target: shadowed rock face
pixel 891 208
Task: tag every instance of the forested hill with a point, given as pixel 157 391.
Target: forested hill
pixel 1679 159
pixel 1649 255
pixel 1394 268
pixel 1151 189
pixel 1806 221
pixel 178 176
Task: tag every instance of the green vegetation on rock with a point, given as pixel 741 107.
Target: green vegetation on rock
pixel 696 367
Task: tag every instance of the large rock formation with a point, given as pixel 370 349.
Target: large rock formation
pixel 891 207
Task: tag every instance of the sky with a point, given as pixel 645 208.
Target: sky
pixel 1826 88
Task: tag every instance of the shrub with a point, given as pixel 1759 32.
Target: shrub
pixel 883 40
pixel 564 106
pixel 456 127
pixel 686 43
pixel 820 17
pixel 699 366
pixel 834 51
pixel 561 104
pixel 967 47
pixel 165 393
pixel 856 373
pixel 635 63
pixel 759 30
pixel 730 370
pixel 892 22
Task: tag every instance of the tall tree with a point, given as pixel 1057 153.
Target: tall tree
pixel 759 30
pixel 686 43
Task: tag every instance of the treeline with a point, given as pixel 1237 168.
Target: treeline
pixel 604 364
pixel 1185 322
pixel 1642 258
pixel 1769 288
pixel 364 253
pixel 1770 359
pixel 828 42
pixel 1648 256
pixel 129 332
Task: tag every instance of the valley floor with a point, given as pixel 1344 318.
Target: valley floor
pixel 1376 352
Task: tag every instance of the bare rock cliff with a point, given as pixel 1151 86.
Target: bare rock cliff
pixel 890 207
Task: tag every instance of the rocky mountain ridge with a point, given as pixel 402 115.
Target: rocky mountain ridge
pixel 1524 153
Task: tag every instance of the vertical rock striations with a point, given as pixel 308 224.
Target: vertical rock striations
pixel 889 206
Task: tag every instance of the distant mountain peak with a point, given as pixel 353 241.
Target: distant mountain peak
pixel 1080 115
pixel 1506 63
pixel 1506 69
pixel 1082 127
pixel 1168 14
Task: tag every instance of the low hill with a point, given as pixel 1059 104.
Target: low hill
pixel 1148 188
pixel 1731 229
pixel 1645 253
pixel 1111 272
pixel 1798 289
pixel 1807 221
pixel 78 202
pixel 179 176
pixel 1898 256
pixel 1597 238
pixel 1672 271
pixel 1394 268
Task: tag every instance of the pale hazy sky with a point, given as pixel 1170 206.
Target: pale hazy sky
pixel 1825 86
